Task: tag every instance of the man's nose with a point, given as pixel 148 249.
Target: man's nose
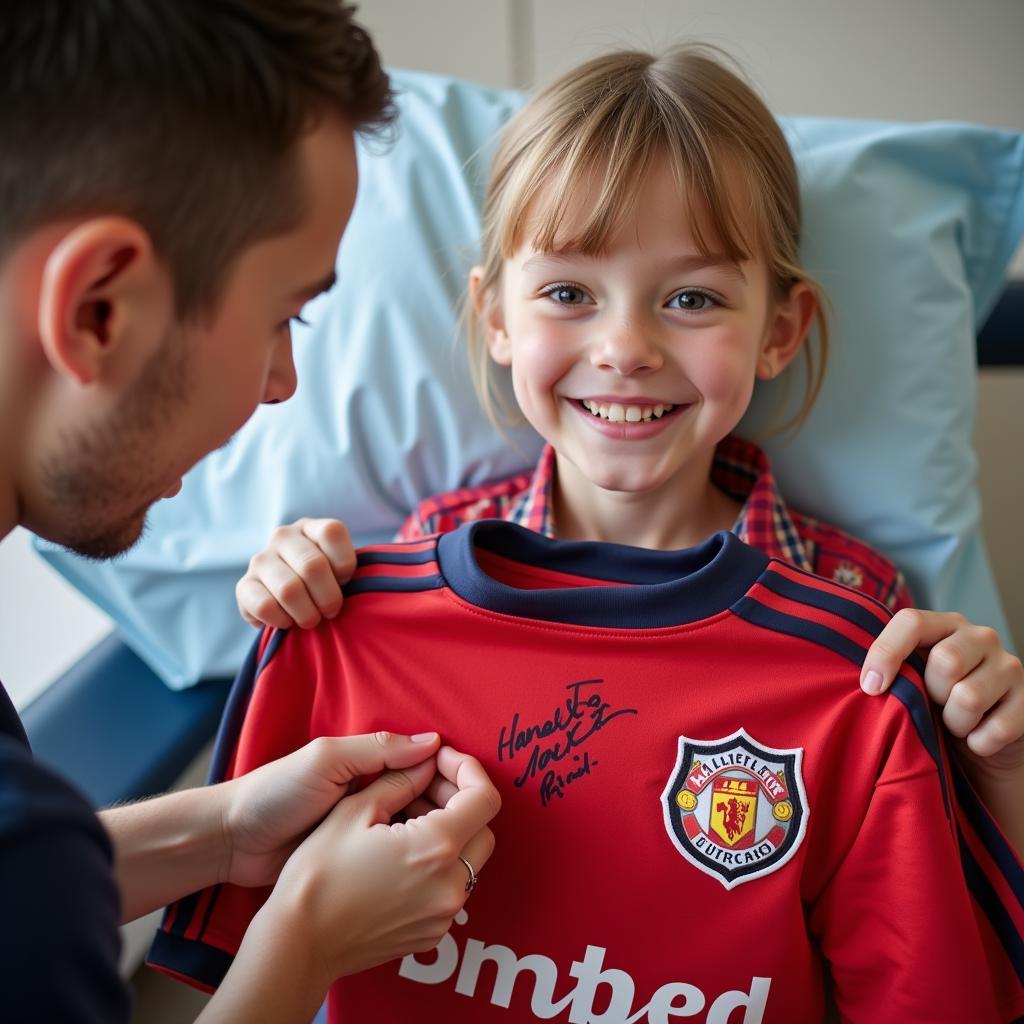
pixel 282 379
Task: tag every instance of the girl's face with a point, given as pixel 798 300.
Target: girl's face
pixel 635 363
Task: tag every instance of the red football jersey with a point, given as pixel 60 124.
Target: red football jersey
pixel 703 816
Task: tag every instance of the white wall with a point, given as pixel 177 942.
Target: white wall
pixel 45 625
pixel 894 59
pixel 897 59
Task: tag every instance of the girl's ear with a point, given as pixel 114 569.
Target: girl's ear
pixel 789 323
pixel 489 313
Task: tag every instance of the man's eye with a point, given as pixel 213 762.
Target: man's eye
pixel 691 301
pixel 566 294
pixel 286 325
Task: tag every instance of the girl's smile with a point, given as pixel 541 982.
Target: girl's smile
pixel 628 419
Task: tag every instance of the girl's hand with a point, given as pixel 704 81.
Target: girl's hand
pixel 978 684
pixel 297 578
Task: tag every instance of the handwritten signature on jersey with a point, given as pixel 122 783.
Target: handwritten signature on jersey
pixel 558 739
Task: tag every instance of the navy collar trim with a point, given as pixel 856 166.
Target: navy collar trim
pixel 667 588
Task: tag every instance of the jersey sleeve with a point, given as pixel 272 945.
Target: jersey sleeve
pixel 903 922
pixel 61 909
pixel 267 716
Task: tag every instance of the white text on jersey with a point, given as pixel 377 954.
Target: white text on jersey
pixel 673 1000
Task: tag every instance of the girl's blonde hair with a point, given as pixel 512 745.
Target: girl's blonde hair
pixel 608 122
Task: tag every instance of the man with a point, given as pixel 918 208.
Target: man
pixel 174 184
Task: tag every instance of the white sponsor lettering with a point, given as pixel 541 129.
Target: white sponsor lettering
pixel 674 1000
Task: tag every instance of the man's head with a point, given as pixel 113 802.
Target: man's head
pixel 174 180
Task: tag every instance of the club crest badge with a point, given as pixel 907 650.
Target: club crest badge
pixel 735 808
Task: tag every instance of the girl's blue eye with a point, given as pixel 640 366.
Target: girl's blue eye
pixel 691 301
pixel 566 294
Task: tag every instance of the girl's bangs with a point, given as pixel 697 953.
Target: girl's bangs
pixel 549 200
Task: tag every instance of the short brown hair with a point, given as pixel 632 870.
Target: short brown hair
pixel 608 121
pixel 182 115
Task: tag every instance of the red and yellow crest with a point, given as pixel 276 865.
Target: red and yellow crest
pixel 735 808
pixel 733 811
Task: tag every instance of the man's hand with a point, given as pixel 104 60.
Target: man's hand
pixel 267 813
pixel 362 889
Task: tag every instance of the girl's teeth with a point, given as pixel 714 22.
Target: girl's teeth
pixel 616 413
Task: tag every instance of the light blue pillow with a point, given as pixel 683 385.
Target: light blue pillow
pixel 909 227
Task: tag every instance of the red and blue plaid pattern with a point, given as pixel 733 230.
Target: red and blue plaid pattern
pixel 740 469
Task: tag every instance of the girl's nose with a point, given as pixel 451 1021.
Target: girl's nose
pixel 626 348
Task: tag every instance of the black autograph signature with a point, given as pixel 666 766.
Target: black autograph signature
pixel 583 713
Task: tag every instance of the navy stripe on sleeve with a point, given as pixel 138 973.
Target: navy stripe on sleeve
pixel 428 554
pixel 214 896
pixel 185 910
pixel 988 832
pixel 224 746
pixel 392 584
pixel 997 914
pixel 238 703
pixel 204 964
pixel 824 601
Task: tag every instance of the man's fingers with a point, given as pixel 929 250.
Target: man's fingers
pixel 906 631
pixel 391 792
pixel 419 807
pixel 475 802
pixel 343 758
pixel 441 790
pixel 479 849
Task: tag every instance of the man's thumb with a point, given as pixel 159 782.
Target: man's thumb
pixel 394 790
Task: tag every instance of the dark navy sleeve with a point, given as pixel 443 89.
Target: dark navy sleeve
pixel 60 941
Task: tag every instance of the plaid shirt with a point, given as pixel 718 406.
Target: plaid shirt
pixel 740 469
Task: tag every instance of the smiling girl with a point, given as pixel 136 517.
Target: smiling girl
pixel 639 272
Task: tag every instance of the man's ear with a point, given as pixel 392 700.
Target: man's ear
pixel 789 323
pixel 490 314
pixel 102 292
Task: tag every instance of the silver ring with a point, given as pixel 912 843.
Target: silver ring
pixel 471 884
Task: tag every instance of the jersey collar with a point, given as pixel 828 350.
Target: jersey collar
pixel 645 589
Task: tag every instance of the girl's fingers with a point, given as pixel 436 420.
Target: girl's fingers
pixel 1003 725
pixel 969 699
pixel 258 606
pixel 331 536
pixel 312 568
pixel 287 589
pixel 904 633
